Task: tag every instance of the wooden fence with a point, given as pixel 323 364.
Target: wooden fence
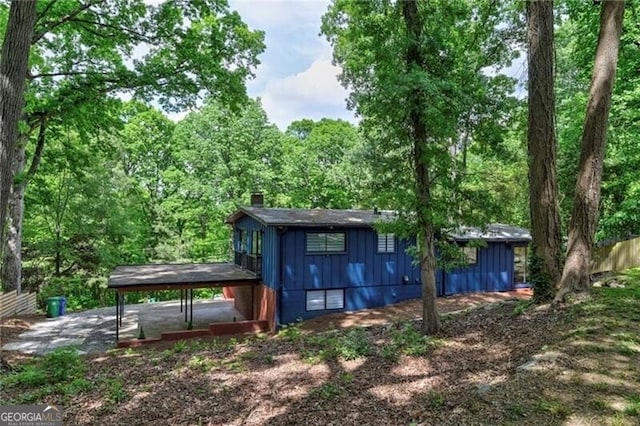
pixel 617 256
pixel 12 303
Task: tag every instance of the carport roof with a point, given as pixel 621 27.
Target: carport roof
pixel 176 276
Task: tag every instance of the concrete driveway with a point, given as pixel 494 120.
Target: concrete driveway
pixel 95 330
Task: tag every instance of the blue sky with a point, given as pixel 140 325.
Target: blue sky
pixel 295 79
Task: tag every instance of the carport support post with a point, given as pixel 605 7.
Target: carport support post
pixel 117 315
pixel 181 290
pixel 191 314
pixel 121 307
pixel 186 303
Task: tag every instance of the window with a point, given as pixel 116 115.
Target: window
pixel 472 254
pixel 256 242
pixel 520 265
pixel 320 300
pixel 242 240
pixel 325 242
pixel 386 243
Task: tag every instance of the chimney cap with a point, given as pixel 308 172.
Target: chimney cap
pixel 257 199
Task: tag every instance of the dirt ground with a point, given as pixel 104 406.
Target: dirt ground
pixel 409 310
pixel 493 364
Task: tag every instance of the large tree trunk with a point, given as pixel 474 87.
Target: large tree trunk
pixel 14 61
pixel 584 216
pixel 542 146
pixel 12 257
pixel 418 135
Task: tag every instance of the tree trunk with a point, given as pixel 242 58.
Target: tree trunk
pixel 584 216
pixel 542 147
pixel 418 135
pixel 13 72
pixel 12 258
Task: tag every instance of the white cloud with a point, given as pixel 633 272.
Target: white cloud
pixel 313 93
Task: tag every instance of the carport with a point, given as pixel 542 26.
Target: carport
pixel 183 277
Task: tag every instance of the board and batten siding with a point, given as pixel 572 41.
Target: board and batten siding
pixel 270 247
pixel 369 279
pixel 493 271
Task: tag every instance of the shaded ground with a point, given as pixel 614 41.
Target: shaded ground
pixel 496 364
pixel 95 330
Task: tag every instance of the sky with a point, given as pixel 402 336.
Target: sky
pixel 295 79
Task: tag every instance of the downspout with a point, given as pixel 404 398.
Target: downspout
pixel 280 279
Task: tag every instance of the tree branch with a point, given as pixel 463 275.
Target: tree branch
pixel 37 155
pixel 48 26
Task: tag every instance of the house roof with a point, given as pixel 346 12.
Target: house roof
pixel 367 218
pixel 493 232
pixel 311 217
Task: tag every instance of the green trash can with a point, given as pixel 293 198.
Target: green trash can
pixel 53 307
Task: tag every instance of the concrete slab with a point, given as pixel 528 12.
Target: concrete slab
pixel 60 342
pixel 28 347
pixel 94 330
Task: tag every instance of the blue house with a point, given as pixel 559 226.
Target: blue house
pixel 312 262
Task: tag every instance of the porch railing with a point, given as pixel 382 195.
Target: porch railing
pixel 250 262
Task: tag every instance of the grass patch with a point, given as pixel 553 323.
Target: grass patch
pixel 59 372
pixel 633 406
pixel 113 389
pixel 406 339
pixel 554 407
pixel 291 332
pixel 201 363
pixel 327 391
pixel 522 306
pixel 349 345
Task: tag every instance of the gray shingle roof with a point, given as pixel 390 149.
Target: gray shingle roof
pixel 311 217
pixel 493 232
pixel 367 218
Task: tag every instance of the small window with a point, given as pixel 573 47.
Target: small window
pixel 325 242
pixel 320 300
pixel 315 300
pixel 472 254
pixel 256 242
pixel 386 243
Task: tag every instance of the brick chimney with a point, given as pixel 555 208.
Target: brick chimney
pixel 257 199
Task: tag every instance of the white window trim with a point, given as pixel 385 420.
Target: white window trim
pixel 325 251
pixel 387 238
pixel 334 294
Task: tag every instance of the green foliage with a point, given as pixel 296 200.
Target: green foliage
pixel 291 332
pixel 61 371
pixel 460 106
pixel 543 287
pixel 553 406
pixel 408 340
pixel 327 391
pixel 114 390
pixel 353 344
pixel 179 346
pixel 575 41
pixel 522 306
pixel 80 292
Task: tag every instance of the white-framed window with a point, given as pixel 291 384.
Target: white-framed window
pixel 320 300
pixel 256 242
pixel 472 254
pixel 386 243
pixel 326 242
